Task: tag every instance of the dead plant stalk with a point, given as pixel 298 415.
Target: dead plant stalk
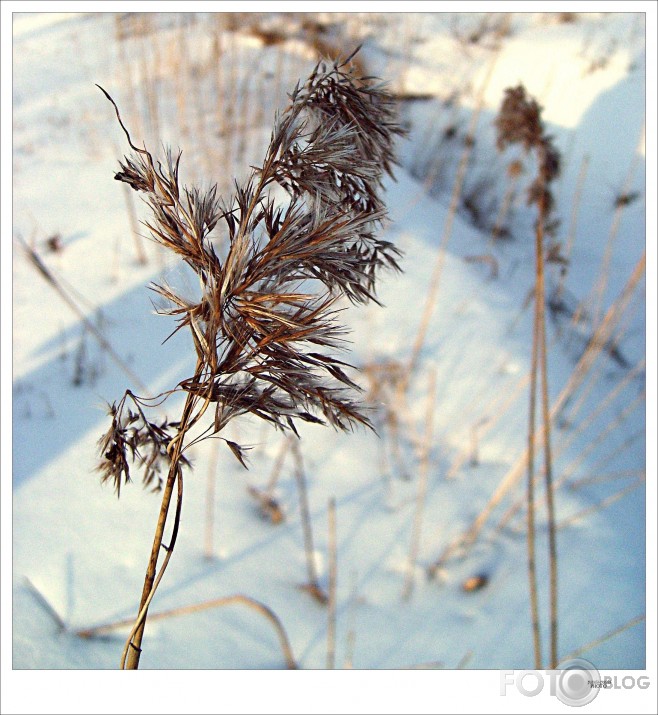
pixel 260 323
pixel 59 287
pixel 579 373
pixel 519 122
pixel 568 471
pixel 433 291
pixel 252 603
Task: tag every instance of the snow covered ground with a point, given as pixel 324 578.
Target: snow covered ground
pixel 74 544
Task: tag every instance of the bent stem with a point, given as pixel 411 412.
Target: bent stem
pixel 238 598
pixel 132 649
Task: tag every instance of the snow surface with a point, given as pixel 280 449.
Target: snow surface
pixel 85 551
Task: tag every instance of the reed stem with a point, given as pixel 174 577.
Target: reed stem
pixel 132 650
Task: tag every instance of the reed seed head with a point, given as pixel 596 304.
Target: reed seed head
pixel 266 326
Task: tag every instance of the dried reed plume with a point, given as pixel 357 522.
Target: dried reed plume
pixel 265 326
pixel 519 122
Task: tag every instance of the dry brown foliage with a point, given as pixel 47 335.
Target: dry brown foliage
pixel 267 307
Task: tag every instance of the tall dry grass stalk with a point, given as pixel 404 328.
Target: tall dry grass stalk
pixel 519 122
pixel 602 503
pixel 66 293
pixel 612 348
pixel 605 459
pixel 576 431
pixel 435 279
pixel 601 463
pixel 265 326
pixel 598 478
pixel 46 605
pixel 620 205
pixel 603 436
pixel 605 637
pixel 463 542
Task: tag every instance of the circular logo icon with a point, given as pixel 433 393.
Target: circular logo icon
pixel 578 682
